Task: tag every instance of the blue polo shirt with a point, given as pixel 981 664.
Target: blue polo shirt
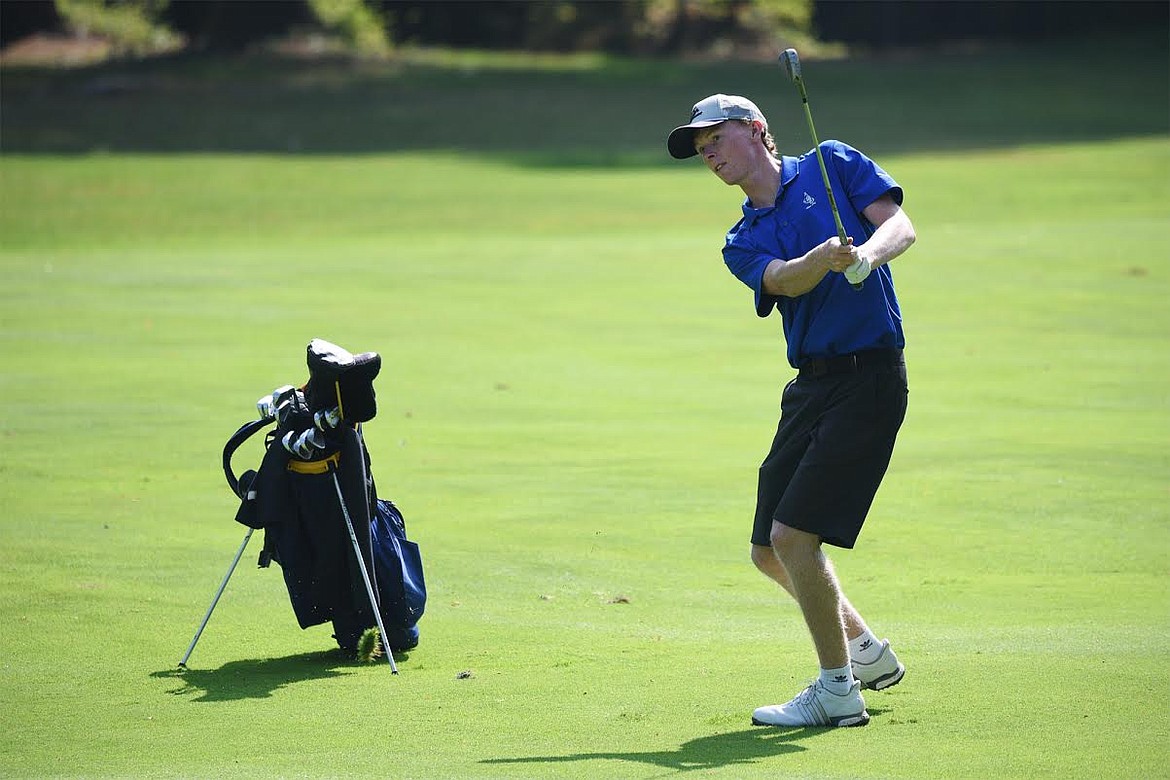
pixel 832 318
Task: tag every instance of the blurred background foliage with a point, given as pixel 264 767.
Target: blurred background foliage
pixel 727 29
pixel 371 28
pixel 131 27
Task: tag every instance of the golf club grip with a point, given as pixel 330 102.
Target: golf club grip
pixel 841 236
pixel 844 239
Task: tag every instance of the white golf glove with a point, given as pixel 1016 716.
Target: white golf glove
pixel 857 273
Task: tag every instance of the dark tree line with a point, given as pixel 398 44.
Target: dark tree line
pixel 925 22
pixel 618 26
pixel 624 26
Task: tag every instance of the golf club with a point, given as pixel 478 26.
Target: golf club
pixel 791 63
pixel 268 405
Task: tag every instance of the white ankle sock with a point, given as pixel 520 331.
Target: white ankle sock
pixel 837 681
pixel 865 649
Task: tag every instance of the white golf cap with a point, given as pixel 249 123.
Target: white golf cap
pixel 710 111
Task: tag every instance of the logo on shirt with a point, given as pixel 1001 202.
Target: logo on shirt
pixel 809 201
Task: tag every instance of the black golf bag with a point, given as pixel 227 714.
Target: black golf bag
pixel 315 498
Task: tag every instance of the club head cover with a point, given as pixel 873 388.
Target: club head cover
pixel 338 378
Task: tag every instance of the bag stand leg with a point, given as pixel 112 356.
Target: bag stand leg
pixel 365 577
pixel 214 601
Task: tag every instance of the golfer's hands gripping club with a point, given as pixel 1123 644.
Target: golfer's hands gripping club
pixel 843 258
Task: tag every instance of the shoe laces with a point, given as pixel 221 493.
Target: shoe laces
pixel 808 694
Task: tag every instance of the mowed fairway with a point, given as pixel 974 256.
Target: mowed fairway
pixel 575 396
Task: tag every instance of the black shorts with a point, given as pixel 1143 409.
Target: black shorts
pixel 838 423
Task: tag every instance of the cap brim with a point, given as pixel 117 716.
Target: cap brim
pixel 681 141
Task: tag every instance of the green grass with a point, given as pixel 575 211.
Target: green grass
pixel 574 399
pixel 585 109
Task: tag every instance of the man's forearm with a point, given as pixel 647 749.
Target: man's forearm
pixel 892 237
pixel 791 278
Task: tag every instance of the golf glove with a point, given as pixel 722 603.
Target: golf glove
pixel 857 273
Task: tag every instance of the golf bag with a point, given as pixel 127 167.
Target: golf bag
pixel 340 547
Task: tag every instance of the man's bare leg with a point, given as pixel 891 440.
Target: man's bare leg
pixel 834 699
pixel 874 662
pixel 815 587
pixel 769 564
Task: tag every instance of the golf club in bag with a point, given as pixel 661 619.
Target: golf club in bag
pixel 343 551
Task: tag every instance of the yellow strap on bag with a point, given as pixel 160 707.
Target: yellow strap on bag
pixel 315 466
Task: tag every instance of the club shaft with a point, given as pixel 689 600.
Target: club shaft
pixel 812 131
pixel 215 600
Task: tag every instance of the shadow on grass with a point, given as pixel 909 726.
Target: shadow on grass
pixel 734 748
pixel 710 752
pixel 254 678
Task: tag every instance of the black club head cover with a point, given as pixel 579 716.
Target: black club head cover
pixel 340 379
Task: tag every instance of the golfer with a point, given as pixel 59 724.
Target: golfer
pixel 841 413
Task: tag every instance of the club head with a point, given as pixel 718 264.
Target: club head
pixel 791 63
pixel 268 405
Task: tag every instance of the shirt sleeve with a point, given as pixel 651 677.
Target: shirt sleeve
pixel 864 180
pixel 748 266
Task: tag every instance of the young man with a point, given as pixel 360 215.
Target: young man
pixel 840 415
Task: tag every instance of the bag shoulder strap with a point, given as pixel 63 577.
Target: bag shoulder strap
pixel 245 432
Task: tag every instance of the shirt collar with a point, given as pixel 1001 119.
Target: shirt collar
pixel 789 167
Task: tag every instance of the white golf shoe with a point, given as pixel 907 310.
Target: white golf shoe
pixel 884 672
pixel 816 706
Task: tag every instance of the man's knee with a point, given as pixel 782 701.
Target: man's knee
pixel 764 558
pixel 792 544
